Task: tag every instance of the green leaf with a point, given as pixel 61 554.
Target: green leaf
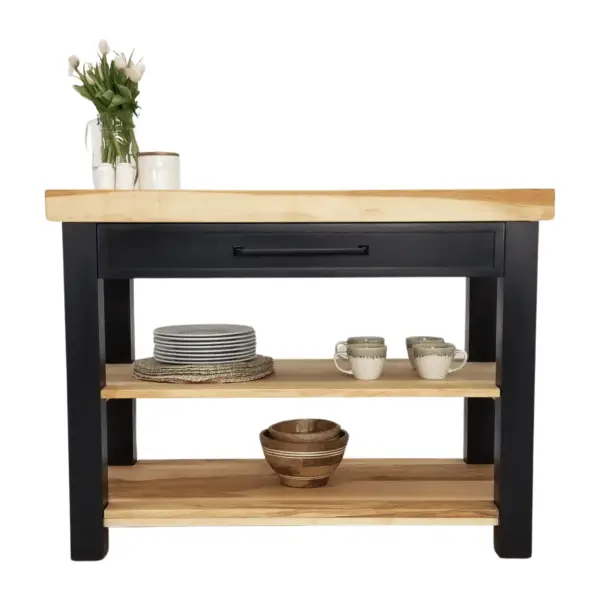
pixel 117 100
pixel 125 92
pixel 83 91
pixel 108 95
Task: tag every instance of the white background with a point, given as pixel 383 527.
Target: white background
pixel 308 95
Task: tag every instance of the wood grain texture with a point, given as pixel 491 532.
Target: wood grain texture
pixel 312 379
pixel 396 206
pixel 247 492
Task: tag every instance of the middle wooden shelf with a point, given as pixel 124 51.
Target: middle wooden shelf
pixel 314 378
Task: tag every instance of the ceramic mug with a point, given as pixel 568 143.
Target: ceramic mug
pixel 366 361
pixel 367 340
pixel 433 360
pixel 418 339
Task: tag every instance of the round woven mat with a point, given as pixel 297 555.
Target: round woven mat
pixel 149 369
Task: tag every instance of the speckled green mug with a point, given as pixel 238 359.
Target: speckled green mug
pixel 368 340
pixel 365 361
pixel 434 359
pixel 418 339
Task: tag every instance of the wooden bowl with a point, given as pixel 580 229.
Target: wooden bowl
pixel 304 464
pixel 304 430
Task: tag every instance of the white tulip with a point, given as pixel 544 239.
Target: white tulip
pixel 142 67
pixel 103 47
pixel 73 62
pixel 134 73
pixel 120 62
pixel 90 79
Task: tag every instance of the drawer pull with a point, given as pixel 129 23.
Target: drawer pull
pixel 356 251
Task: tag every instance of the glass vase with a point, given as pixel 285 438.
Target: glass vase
pixel 111 142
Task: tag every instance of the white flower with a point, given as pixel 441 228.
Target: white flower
pixel 134 73
pixel 73 62
pixel 90 79
pixel 120 62
pixel 142 67
pixel 103 47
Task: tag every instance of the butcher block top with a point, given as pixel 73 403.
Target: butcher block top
pixel 374 206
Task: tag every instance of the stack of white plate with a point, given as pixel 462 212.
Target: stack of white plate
pixel 204 344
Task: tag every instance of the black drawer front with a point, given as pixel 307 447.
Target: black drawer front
pixel 300 250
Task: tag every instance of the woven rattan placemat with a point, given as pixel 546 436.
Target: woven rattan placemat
pixel 149 369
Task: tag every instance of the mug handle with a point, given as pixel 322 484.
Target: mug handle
pixel 456 357
pixel 341 348
pixel 343 356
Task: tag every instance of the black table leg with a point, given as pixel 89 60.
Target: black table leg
pixel 480 343
pixel 513 455
pixel 118 311
pixel 84 327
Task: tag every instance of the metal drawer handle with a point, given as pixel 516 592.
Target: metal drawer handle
pixel 356 251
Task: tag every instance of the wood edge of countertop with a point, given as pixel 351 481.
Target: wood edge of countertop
pixel 239 206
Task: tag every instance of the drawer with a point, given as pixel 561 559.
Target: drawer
pixel 300 250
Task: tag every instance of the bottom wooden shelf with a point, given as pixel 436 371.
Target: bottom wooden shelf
pixel 171 493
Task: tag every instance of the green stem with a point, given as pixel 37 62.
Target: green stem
pixel 118 140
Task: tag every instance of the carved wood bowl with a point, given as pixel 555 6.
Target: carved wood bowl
pixel 304 464
pixel 304 430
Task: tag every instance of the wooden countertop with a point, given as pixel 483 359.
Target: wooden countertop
pixel 383 206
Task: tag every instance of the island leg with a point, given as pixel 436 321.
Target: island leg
pixel 513 453
pixel 119 335
pixel 480 343
pixel 84 327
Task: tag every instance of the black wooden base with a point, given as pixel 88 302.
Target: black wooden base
pixel 480 343
pixel 499 261
pixel 120 348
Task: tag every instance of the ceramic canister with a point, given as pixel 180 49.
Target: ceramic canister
pixel 159 170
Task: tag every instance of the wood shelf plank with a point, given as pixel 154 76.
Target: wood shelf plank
pixel 377 206
pixel 174 493
pixel 313 378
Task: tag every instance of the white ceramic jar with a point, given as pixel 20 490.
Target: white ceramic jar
pixel 159 170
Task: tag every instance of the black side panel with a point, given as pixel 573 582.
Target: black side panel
pixel 84 325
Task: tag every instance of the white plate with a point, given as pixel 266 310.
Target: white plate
pixel 214 338
pixel 217 349
pixel 188 361
pixel 204 356
pixel 209 353
pixel 204 343
pixel 204 330
pixel 181 342
pixel 193 353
